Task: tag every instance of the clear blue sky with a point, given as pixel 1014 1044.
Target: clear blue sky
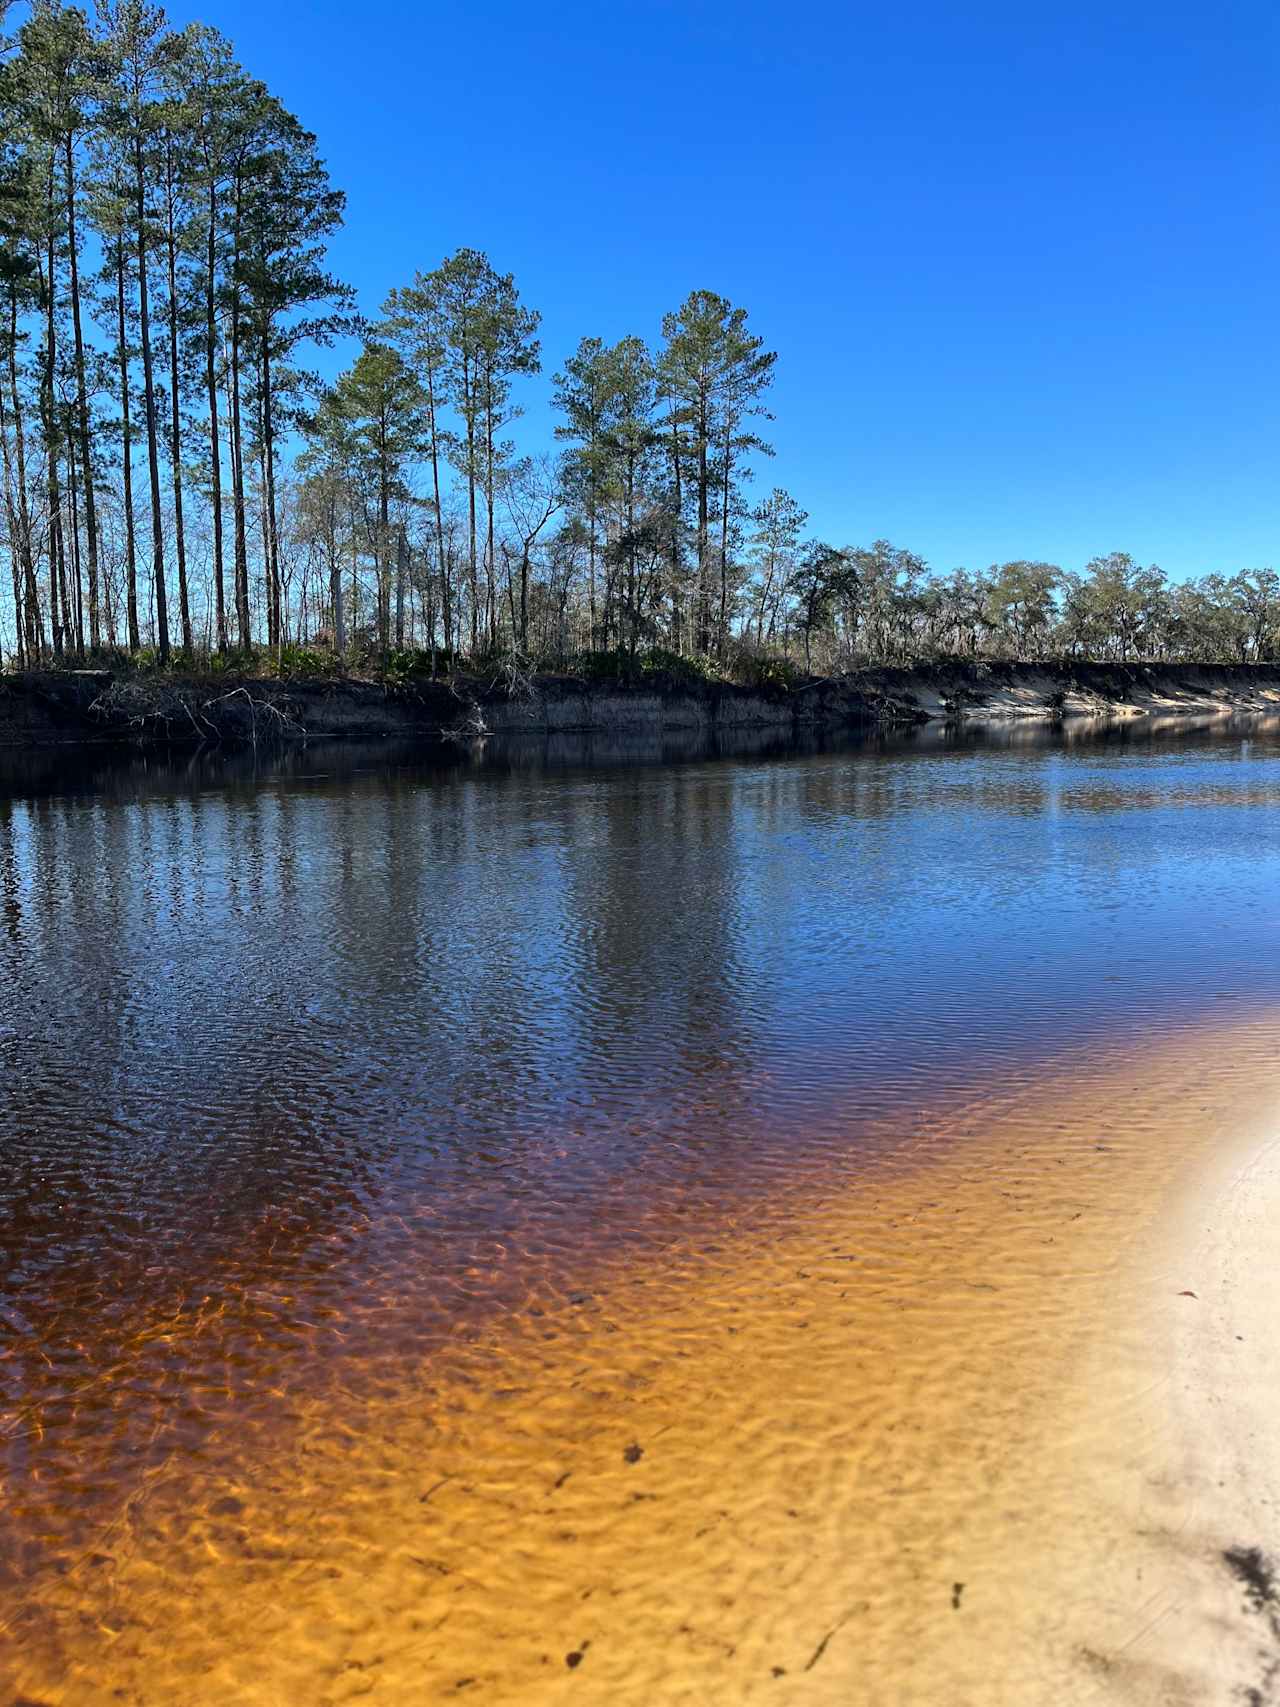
pixel 1021 262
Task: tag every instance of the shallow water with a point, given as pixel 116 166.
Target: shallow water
pixel 388 1136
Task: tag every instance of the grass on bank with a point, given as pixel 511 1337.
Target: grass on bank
pixel 405 667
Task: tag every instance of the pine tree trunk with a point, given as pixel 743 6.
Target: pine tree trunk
pixel 445 589
pixel 211 388
pixel 677 566
pixel 381 535
pixel 631 552
pixel 63 591
pixel 592 526
pixel 724 533
pixel 402 561
pixel 237 442
pixel 77 585
pixel 31 601
pixel 15 539
pixel 335 582
pixel 471 504
pixel 149 392
pixel 270 533
pixel 82 406
pixel 175 418
pixel 264 523
pixel 130 535
pixel 49 412
pixel 491 610
pixel 355 571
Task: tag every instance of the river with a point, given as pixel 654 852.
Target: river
pixel 546 1221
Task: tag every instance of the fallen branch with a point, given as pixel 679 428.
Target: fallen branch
pixel 285 720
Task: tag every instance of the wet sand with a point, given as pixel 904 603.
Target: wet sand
pixel 942 1428
pixel 1198 1478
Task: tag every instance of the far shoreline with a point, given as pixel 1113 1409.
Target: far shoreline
pixel 213 706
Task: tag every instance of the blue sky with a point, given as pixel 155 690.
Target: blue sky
pixel 1020 262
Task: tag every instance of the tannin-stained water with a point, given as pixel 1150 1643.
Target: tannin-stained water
pixel 524 1227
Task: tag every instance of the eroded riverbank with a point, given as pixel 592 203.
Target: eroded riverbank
pixel 63 708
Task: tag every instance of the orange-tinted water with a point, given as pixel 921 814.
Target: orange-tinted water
pixel 637 1237
pixel 757 1468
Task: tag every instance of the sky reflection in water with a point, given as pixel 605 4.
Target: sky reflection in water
pixel 313 1064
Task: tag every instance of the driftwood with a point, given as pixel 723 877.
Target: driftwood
pixel 162 710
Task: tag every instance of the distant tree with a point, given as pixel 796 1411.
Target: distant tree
pixel 963 611
pixel 489 339
pixel 532 494
pixel 381 403
pixel 823 576
pixel 879 602
pixel 288 209
pixel 583 395
pixel 715 373
pixel 506 347
pixel 1257 594
pixel 415 323
pixel 330 468
pixel 214 95
pixel 630 438
pixel 140 50
pixel 1020 600
pixel 1115 609
pixel 778 522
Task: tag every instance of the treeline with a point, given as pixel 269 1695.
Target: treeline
pixel 176 477
pixel 883 605
pixel 162 264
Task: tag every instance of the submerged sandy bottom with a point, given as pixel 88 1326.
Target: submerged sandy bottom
pixel 947 1430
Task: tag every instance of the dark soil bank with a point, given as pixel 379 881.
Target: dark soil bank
pixel 50 707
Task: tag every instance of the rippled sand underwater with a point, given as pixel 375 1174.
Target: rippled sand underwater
pixel 831 1450
pixel 685 1233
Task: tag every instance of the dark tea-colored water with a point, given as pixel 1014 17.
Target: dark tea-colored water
pixel 322 1074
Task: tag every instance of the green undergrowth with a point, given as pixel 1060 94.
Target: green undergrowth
pixel 652 667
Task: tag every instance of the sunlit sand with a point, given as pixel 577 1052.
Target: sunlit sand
pixel 951 1427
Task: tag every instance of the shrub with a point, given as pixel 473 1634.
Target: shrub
pixel 618 665
pixel 761 670
pixel 676 668
pixel 303 663
pixel 402 666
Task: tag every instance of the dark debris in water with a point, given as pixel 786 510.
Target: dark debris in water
pixel 821 1648
pixel 1255 1571
pixel 1257 1575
